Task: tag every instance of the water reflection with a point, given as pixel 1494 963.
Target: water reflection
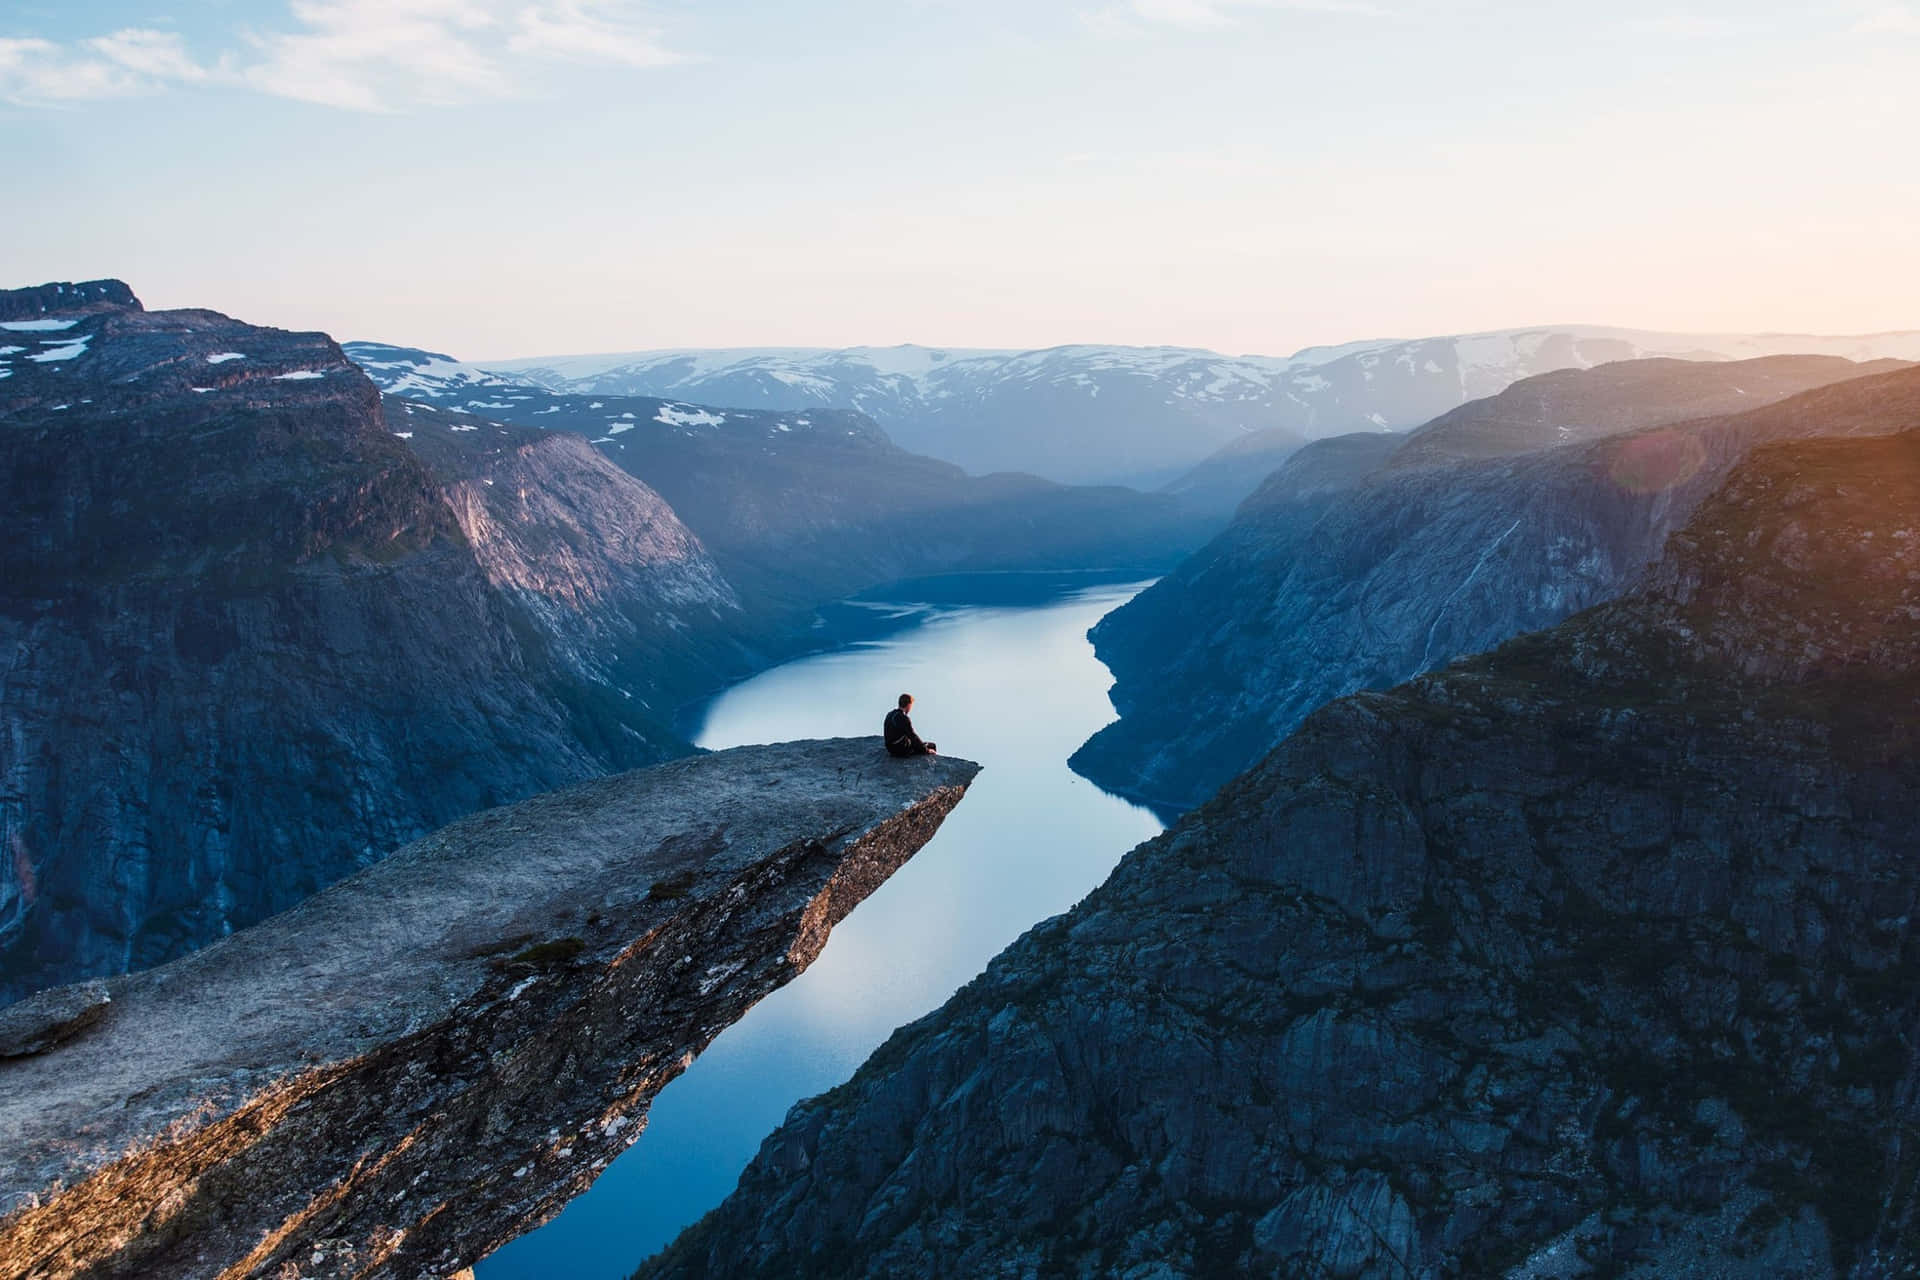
pixel 1017 689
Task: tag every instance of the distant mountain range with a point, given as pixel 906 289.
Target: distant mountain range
pixel 803 507
pixel 1102 414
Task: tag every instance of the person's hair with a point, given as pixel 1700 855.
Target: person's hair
pixel 905 698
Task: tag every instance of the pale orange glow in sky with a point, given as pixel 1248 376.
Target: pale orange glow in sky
pixel 1223 173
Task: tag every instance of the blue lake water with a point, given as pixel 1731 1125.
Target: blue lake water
pixel 1015 688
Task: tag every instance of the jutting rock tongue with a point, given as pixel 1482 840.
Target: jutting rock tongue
pixel 413 1067
pixel 1593 955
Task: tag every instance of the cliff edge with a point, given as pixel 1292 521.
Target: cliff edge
pixel 1592 956
pixel 405 1071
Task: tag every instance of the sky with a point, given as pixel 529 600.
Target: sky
pixel 497 178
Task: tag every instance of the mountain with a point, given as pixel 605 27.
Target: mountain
pixel 414 374
pixel 1142 416
pixel 1338 576
pixel 1228 476
pixel 1572 405
pixel 805 507
pixel 1596 955
pixel 257 641
pixel 605 578
pixel 1553 408
pixel 1082 414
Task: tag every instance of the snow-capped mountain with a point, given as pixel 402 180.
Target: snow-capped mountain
pixel 1139 415
pixel 1078 414
pixel 428 375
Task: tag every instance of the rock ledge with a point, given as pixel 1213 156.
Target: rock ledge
pixel 414 1066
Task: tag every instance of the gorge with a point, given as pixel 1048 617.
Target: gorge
pixel 1013 684
pixel 1600 937
pixel 1591 955
pixel 266 625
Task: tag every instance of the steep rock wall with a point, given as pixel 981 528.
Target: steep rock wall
pixel 1317 591
pixel 1595 955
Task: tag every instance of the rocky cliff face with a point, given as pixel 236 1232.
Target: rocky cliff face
pixel 608 581
pixel 1592 956
pixel 65 299
pixel 1349 570
pixel 1557 408
pixel 1228 477
pixel 253 643
pixel 815 506
pixel 809 506
pixel 419 1063
pixel 1575 405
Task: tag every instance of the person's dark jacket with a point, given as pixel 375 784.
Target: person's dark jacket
pixel 900 737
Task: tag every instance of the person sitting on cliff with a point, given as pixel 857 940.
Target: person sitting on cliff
pixel 898 731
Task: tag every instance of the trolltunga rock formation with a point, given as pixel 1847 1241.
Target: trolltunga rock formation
pixel 407 1070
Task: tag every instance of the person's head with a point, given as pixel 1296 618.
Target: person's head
pixel 906 702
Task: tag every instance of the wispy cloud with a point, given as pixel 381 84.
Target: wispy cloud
pixel 37 72
pixel 371 55
pixel 359 55
pixel 154 56
pixel 580 32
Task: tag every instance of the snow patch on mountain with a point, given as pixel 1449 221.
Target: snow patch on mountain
pixel 425 375
pixel 64 351
pixel 1089 412
pixel 680 415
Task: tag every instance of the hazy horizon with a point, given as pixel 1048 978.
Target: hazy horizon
pixel 498 179
pixel 529 358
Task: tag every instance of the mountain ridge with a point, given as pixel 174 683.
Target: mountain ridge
pixel 1360 575
pixel 1145 415
pixel 803 507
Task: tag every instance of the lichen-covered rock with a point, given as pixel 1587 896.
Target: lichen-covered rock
pixel 412 1067
pixel 1596 955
